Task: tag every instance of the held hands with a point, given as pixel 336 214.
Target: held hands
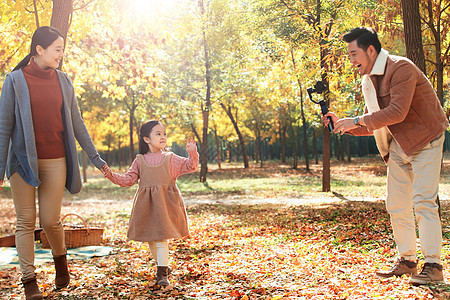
pixel 106 170
pixel 341 126
pixel 190 144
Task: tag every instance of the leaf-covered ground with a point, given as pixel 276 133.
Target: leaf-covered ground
pixel 310 250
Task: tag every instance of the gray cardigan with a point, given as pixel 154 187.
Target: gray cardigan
pixel 16 130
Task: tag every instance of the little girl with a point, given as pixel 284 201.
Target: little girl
pixel 158 212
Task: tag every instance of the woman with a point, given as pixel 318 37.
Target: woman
pixel 39 120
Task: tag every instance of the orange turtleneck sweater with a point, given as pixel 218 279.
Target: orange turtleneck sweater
pixel 46 108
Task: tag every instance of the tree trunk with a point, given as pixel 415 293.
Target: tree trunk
pixel 360 147
pixel 282 130
pixel 194 130
pixel 84 159
pixel 36 15
pixel 217 148
pixel 436 31
pixel 256 145
pixel 440 81
pixel 413 33
pixel 305 142
pixel 326 170
pixel 119 159
pixel 316 156
pixel 109 139
pixel 305 135
pixel 207 104
pixel 335 143
pixel 349 150
pixel 338 147
pixel 326 176
pixel 261 151
pixel 62 18
pixel 256 150
pixel 260 146
pixel 131 131
pixel 294 148
pixel 204 147
pixel 227 109
pixel 61 15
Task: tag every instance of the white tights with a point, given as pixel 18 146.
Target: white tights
pixel 160 252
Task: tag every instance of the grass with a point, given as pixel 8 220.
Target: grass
pixel 360 179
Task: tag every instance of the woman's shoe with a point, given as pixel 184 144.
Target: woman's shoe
pixel 62 278
pixel 31 289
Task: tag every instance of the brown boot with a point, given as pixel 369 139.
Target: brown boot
pixel 62 277
pixel 162 274
pixel 401 267
pixel 31 289
pixel 431 273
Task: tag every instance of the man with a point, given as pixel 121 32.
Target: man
pixel 404 115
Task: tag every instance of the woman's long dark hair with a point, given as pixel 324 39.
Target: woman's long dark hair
pixel 43 36
pixel 145 130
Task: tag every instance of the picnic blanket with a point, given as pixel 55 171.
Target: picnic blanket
pixel 9 258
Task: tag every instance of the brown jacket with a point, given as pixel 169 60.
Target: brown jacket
pixel 408 104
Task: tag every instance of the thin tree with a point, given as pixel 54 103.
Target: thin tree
pixel 206 105
pixel 437 22
pixel 233 119
pixel 217 147
pixel 305 134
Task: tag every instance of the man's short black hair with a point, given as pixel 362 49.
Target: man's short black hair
pixel 364 36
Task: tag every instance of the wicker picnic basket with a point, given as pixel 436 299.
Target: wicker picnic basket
pixel 77 235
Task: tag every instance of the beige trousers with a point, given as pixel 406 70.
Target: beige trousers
pixel 52 174
pixel 412 187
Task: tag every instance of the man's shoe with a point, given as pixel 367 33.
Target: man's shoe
pixel 401 267
pixel 431 272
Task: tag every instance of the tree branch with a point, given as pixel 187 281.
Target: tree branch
pixel 84 5
pixel 11 56
pixel 36 14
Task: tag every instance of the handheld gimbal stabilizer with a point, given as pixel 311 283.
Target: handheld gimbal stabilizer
pixel 319 88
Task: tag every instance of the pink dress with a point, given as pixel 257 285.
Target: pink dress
pixel 158 210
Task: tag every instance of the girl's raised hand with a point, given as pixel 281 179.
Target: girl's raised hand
pixel 190 144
